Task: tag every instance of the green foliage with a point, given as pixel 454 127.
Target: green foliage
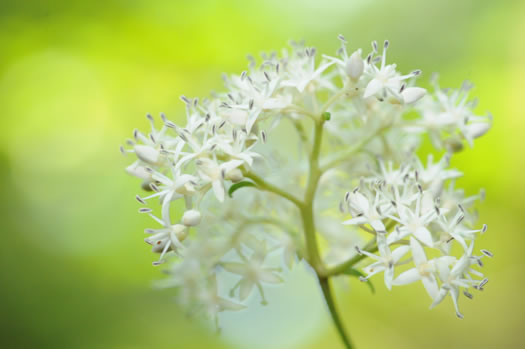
pixel 238 186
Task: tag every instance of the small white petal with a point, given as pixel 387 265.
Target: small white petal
pixel 417 252
pixel 147 154
pixel 373 87
pixel 409 276
pixel 246 287
pixel 430 284
pixel 423 235
pixel 218 189
pixel 269 277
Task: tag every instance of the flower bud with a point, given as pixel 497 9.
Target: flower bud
pixel 234 175
pixel 191 218
pixel 413 94
pixel 355 65
pixel 237 116
pixel 477 129
pixel 147 154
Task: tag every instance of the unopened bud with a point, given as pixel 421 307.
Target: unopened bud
pixel 413 94
pixel 147 154
pixel 191 218
pixel 355 65
pixel 234 175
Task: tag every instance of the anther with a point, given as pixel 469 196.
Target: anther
pixel 185 99
pixel 139 199
pixel 468 294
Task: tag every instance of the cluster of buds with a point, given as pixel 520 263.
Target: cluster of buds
pixel 237 139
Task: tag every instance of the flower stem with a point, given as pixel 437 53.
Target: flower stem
pixel 327 293
pixel 262 184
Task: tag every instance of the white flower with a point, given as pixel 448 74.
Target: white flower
pixel 414 222
pixel 457 277
pixel 252 272
pixel 385 261
pixel 301 72
pixel 210 171
pixel 423 271
pixel 166 239
pixel 385 78
pixel 364 211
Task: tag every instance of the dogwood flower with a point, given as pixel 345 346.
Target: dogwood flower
pixel 235 195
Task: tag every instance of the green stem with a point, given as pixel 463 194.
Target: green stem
pixel 341 268
pixel 327 293
pixel 262 184
pixel 306 209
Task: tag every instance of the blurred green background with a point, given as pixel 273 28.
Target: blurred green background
pixel 77 76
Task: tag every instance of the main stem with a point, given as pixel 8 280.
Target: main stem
pixel 307 215
pixel 325 287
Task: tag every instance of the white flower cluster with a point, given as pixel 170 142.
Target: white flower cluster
pixel 410 207
pixel 223 245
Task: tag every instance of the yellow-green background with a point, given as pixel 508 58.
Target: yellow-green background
pixel 77 76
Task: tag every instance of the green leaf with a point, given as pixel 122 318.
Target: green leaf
pixel 356 273
pixel 326 115
pixel 239 185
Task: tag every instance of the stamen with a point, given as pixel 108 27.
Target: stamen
pixel 145 210
pixel 185 99
pixel 139 199
pixel 483 282
pixel 484 229
pixel 468 294
pixel 487 253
